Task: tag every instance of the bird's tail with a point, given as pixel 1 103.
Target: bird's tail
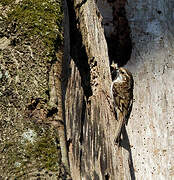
pixel 120 124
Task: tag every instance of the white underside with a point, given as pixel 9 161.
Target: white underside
pixel 119 79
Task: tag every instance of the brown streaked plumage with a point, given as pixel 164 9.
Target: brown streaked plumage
pixel 122 90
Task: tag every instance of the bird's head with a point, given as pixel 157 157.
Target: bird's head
pixel 121 75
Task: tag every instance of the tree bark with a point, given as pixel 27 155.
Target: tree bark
pixel 151 125
pixel 32 135
pixel 90 121
pixel 45 99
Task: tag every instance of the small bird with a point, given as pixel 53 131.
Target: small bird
pixel 122 92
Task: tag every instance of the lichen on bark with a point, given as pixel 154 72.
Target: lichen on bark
pixel 30 36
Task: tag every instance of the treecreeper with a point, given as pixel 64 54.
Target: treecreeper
pixel 122 93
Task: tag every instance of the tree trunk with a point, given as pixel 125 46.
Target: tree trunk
pixel 32 135
pixel 151 125
pixel 101 32
pixel 90 119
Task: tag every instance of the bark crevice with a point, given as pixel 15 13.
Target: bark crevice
pixel 78 51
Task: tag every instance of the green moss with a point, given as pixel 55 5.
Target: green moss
pixel 6 2
pixel 39 19
pixel 35 33
pixel 41 153
pixel 44 151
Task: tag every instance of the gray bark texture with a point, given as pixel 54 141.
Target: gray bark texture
pixel 96 33
pixel 151 127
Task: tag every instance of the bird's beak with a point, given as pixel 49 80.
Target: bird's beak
pixel 114 66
